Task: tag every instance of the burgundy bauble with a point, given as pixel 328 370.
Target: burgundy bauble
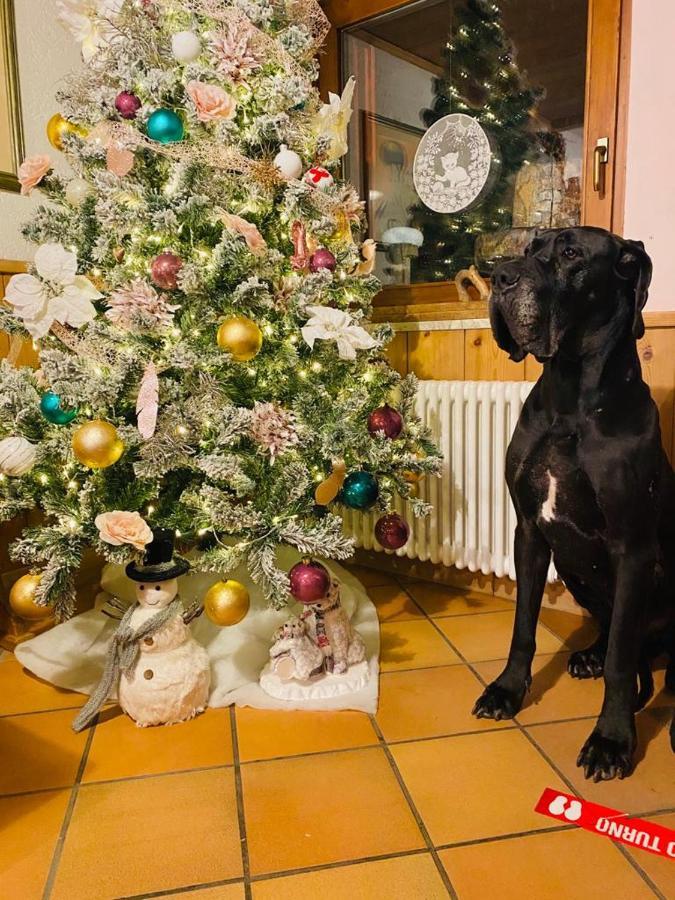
pixel 386 419
pixel 392 532
pixel 309 581
pixel 322 259
pixel 127 104
pixel 165 269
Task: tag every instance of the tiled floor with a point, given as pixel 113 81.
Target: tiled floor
pixel 419 801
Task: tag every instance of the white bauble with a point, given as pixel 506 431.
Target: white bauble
pixel 77 191
pixel 186 46
pixel 17 456
pixel 288 162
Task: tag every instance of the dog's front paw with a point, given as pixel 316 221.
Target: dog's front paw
pixel 588 663
pixel 603 758
pixel 497 702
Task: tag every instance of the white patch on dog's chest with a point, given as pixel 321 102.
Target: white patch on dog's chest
pixel 548 506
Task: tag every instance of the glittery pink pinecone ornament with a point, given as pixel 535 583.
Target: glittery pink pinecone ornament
pixel 138 305
pixel 273 428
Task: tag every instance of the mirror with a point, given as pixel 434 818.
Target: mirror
pixel 11 129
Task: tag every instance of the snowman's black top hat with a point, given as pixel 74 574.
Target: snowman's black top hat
pixel 159 563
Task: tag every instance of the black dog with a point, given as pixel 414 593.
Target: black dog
pixel 588 476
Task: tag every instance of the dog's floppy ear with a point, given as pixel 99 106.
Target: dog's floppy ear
pixel 635 266
pixel 503 336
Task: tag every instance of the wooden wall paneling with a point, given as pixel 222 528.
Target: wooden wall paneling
pixel 533 369
pixel 397 352
pixel 484 361
pixel 436 355
pixel 658 370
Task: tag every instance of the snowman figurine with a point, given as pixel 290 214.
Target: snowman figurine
pixel 161 673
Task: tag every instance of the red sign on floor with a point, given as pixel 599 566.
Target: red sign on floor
pixel 610 822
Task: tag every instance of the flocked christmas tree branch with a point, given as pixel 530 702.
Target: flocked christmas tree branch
pixel 206 355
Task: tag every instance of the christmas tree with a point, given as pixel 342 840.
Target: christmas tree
pixel 482 80
pixel 200 300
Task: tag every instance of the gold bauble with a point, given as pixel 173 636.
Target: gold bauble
pixel 57 126
pixel 22 599
pixel 328 490
pixel 226 602
pixel 241 337
pixel 97 445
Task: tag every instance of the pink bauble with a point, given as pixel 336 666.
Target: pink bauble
pixel 165 269
pixel 322 259
pixel 392 532
pixel 127 105
pixel 386 419
pixel 309 581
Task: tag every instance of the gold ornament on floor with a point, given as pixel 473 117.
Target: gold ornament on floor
pixel 57 127
pixel 97 445
pixel 22 599
pixel 241 337
pixel 226 602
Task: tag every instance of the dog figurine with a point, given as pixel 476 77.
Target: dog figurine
pixel 329 627
pixel 588 477
pixel 293 653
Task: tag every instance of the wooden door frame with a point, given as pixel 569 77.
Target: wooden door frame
pixel 607 77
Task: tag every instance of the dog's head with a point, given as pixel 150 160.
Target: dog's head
pixel 571 284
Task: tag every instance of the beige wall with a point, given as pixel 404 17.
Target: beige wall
pixel 650 177
pixel 46 54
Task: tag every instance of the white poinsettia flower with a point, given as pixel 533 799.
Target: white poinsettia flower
pixel 328 324
pixel 56 294
pixel 333 119
pixel 89 22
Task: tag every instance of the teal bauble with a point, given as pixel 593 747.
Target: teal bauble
pixel 360 490
pixel 51 409
pixel 165 126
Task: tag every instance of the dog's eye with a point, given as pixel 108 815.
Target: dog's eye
pixel 570 252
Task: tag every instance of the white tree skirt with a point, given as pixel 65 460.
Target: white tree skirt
pixel 72 655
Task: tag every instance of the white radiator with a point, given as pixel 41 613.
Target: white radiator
pixel 473 521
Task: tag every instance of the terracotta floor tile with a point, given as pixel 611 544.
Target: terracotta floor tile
pixel 370 577
pixel 429 702
pixel 30 827
pixel 556 695
pixel 21 692
pixel 660 870
pixel 222 892
pixel 442 600
pixel 39 751
pixel 649 788
pixel 314 810
pixel 577 632
pixel 268 733
pixel 121 749
pixel 413 645
pixel 150 834
pixel 563 865
pixel 476 785
pixel 402 878
pixel 393 604
pixel 489 636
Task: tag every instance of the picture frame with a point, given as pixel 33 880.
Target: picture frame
pixel 11 121
pixel 389 149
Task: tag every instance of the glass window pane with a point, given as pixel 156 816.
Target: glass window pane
pixel 518 67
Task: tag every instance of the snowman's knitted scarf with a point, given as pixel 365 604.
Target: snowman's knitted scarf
pixel 123 654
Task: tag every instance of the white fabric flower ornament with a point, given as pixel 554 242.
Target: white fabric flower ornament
pixel 328 324
pixel 58 294
pixel 333 119
pixel 89 22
